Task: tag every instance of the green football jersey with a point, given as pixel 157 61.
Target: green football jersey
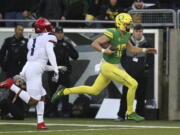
pixel 119 42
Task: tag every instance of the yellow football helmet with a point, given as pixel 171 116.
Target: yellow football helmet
pixel 123 21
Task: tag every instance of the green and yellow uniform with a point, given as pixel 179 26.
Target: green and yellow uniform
pixel 110 70
pixel 118 42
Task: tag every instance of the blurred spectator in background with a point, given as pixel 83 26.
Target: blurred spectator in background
pixel 12 107
pixel 2 5
pixel 76 11
pixel 33 6
pixel 12 59
pixel 1 18
pixel 64 51
pixel 142 4
pixel 13 52
pixel 109 11
pixel 136 65
pixel 16 9
pixel 166 4
pixel 138 5
pixel 93 10
pixel 173 4
pixel 53 9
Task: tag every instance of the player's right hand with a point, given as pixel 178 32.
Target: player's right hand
pixel 108 50
pixel 55 78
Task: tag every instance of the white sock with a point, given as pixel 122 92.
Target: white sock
pixel 40 111
pixel 24 96
pixel 15 88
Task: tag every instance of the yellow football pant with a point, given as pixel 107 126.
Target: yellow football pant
pixel 109 72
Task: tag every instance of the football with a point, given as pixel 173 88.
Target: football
pixel 106 45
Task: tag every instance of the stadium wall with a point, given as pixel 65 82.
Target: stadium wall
pixel 174 76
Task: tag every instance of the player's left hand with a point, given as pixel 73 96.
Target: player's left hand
pixel 151 50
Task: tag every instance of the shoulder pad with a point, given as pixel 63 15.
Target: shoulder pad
pixel 52 41
pixel 51 33
pixel 109 33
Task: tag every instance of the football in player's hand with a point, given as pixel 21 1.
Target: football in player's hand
pixel 106 45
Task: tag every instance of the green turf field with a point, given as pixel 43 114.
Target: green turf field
pixel 90 127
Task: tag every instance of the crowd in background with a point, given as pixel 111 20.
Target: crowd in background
pixel 74 9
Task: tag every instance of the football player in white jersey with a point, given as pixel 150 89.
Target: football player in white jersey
pixel 40 51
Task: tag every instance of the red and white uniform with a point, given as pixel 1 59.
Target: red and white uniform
pixel 40 51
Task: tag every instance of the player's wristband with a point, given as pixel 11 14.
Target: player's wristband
pixel 102 50
pixel 144 50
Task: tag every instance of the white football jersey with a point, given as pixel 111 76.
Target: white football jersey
pixel 37 47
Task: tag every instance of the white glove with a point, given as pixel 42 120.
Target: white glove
pixel 55 78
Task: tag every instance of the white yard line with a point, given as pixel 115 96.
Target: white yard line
pixel 90 125
pixel 64 130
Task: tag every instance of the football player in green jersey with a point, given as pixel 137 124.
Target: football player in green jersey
pixel 118 38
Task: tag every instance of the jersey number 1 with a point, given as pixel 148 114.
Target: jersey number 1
pixel 33 46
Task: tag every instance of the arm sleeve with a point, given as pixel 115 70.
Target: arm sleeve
pixel 51 55
pixel 50 51
pixel 49 68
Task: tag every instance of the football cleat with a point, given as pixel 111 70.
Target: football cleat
pixel 7 83
pixel 58 94
pixel 41 126
pixel 134 116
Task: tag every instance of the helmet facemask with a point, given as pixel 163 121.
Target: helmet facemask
pixel 128 26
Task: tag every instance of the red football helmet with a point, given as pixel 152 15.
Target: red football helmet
pixel 43 25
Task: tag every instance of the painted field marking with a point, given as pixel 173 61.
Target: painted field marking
pixel 64 130
pixel 90 125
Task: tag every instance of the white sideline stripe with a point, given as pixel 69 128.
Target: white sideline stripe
pixel 91 125
pixel 64 130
